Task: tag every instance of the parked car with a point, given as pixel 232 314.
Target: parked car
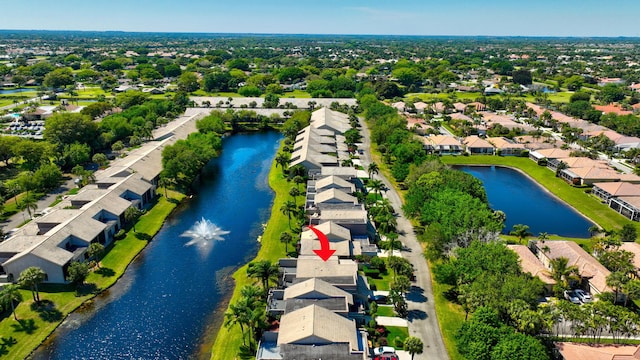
pixel 571 296
pixel 584 296
pixel 386 357
pixel 378 299
pixel 384 350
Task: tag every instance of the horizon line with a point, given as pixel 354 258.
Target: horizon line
pixel 327 34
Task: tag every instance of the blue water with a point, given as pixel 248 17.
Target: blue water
pixel 14 91
pixel 525 202
pixel 163 306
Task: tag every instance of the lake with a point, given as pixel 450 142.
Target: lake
pixel 526 202
pixel 171 297
pixel 15 91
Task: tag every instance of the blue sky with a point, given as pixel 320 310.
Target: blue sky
pixel 398 17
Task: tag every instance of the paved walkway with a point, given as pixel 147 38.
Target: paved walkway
pixel 391 321
pixel 422 314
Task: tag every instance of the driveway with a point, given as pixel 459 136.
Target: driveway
pixel 423 323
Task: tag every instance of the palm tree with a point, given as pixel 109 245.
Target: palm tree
pixel 283 160
pixel 263 270
pixel 131 215
pixel 14 188
pixel 9 295
pixel 299 180
pixel 594 229
pixel 617 280
pixel 413 345
pixel 376 186
pixel 286 238
pixel 392 242
pixel 289 208
pixel 30 205
pixel 238 313
pixel 252 293
pixel 294 192
pixel 372 169
pixel 562 273
pixel 164 183
pixel 94 251
pixel 543 236
pixel 520 231
pixel 31 277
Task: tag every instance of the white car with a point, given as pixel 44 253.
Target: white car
pixel 571 296
pixel 383 350
pixel 583 295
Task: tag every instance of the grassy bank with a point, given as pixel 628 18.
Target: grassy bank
pixel 586 204
pixel 36 323
pixel 228 340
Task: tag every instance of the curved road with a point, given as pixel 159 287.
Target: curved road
pixel 423 322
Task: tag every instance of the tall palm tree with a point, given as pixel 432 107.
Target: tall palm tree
pixel 294 192
pixel 94 251
pixel 238 313
pixel 286 238
pixel 31 277
pixel 289 208
pixel 265 271
pixel 131 215
pixel 372 169
pixel 29 204
pixel 253 293
pixel 9 295
pixel 520 231
pixel 376 186
pixel 283 160
pixel 562 273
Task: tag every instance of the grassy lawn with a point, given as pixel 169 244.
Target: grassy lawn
pixel 576 197
pixel 396 331
pixel 450 317
pixel 385 311
pixel 228 340
pixel 294 94
pixel 382 282
pixel 559 97
pixel 59 300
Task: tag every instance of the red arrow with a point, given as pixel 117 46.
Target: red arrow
pixel 325 251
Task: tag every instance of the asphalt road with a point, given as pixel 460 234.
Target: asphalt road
pixel 423 322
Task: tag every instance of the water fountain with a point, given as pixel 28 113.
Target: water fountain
pixel 203 233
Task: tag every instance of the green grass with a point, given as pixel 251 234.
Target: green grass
pixel 36 324
pixel 228 340
pixel 385 311
pixel 294 94
pixel 586 204
pixel 559 97
pixel 382 283
pixel 450 317
pixel 396 331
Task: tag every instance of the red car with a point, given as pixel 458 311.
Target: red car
pixel 386 357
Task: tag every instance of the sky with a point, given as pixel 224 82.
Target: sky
pixel 390 17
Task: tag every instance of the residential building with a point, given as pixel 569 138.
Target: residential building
pixel 475 145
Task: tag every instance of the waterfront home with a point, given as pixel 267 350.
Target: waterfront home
pixel 506 147
pixel 608 190
pixel 354 218
pixel 331 182
pixel 442 144
pixel 593 275
pixel 342 273
pixel 475 145
pixel 532 265
pixel 587 176
pixel 339 240
pixel 628 206
pixel 314 332
pixel 542 156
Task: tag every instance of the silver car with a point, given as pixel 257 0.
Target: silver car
pixel 571 296
pixel 584 296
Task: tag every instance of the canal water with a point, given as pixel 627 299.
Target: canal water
pixel 164 305
pixel 526 202
pixel 15 91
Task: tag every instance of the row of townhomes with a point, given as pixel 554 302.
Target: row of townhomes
pixel 322 304
pixel 64 232
pixel 620 191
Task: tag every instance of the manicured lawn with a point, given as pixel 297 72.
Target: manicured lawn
pixel 450 317
pixel 440 96
pixel 59 300
pixel 381 283
pixel 576 197
pixel 396 331
pixel 228 340
pixel 294 94
pixel 385 311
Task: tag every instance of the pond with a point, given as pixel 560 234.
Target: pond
pixel 526 202
pixel 172 296
pixel 15 91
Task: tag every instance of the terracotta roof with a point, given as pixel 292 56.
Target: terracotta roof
pixel 502 143
pixel 554 153
pixel 531 264
pixel 612 108
pixel 440 140
pixel 476 142
pixel 619 188
pixel 587 265
pixel 459 116
pixel 635 249
pixel 577 162
pixel 575 351
pixel 595 173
